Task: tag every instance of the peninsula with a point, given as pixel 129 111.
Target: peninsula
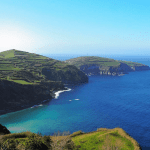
pixel 93 65
pixel 27 79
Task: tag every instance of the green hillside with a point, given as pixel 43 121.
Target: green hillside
pixel 27 68
pixel 93 65
pixel 102 139
pixel 26 79
pixel 100 61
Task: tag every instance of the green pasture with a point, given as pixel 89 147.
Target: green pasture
pixel 20 81
pixel 102 140
pixel 7 54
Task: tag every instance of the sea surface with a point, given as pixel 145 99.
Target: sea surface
pixel 104 102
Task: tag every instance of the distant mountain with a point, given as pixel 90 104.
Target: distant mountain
pixel 27 79
pixel 105 66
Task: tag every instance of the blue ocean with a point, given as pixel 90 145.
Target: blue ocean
pixel 104 102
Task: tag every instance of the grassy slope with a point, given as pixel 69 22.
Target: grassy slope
pixel 101 61
pixel 105 139
pixel 14 61
pixel 101 139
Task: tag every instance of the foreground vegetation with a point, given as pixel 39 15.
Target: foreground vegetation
pixel 102 139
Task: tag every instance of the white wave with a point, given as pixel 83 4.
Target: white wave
pixel 35 106
pixel 76 99
pixel 58 92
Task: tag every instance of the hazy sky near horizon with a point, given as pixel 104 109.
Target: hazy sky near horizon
pixel 92 27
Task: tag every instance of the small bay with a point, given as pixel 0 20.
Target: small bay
pixel 104 102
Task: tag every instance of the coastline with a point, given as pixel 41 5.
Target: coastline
pixel 24 107
pixel 58 92
pixel 56 95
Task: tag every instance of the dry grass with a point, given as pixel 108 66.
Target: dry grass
pixel 109 146
pixel 105 139
pixel 127 136
pixel 63 143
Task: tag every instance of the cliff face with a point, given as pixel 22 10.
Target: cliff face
pixel 71 75
pixel 3 130
pixel 16 96
pixel 92 65
pixel 38 76
pixel 123 68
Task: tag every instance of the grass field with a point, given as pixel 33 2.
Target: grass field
pixel 20 81
pixel 103 62
pixel 7 54
pixel 107 139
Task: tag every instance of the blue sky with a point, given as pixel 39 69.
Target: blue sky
pixel 87 27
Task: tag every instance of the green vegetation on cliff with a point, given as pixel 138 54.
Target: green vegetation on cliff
pixel 105 66
pixel 88 60
pixel 101 139
pixel 26 79
pixel 28 68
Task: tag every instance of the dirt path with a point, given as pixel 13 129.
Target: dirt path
pixel 105 133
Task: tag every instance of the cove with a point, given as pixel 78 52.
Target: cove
pixel 106 101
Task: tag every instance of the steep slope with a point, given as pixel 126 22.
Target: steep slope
pixel 33 68
pixel 3 130
pixel 27 79
pixel 105 66
pixel 14 96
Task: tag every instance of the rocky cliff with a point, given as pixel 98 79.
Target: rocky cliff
pixel 70 75
pixel 14 96
pixel 3 130
pixel 104 66
pixel 26 79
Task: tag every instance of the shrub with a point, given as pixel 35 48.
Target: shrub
pixel 66 144
pixel 35 143
pixel 58 133
pixel 76 133
pixel 47 141
pixel 9 144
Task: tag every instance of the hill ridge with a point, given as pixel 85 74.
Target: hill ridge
pixel 24 72
pixel 91 65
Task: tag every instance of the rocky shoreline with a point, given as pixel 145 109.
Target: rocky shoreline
pixel 15 97
pixel 111 71
pixel 93 65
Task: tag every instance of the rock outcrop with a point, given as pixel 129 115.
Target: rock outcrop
pixel 104 66
pixel 72 75
pixel 16 96
pixel 38 77
pixel 3 130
